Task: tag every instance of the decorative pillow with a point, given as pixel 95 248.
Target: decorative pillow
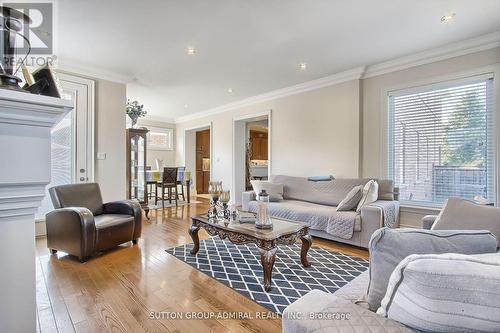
pixel 385 189
pixel 370 194
pixel 445 293
pixel 274 190
pixel 388 247
pixel 320 178
pixel 350 202
pixel 460 214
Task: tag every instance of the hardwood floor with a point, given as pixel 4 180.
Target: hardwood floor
pixel 116 291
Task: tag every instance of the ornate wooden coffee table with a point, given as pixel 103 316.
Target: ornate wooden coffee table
pixel 267 240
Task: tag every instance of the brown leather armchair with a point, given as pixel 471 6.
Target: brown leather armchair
pixel 83 225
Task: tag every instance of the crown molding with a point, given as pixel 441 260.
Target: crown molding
pixel 74 67
pixel 447 51
pixel 352 74
pixel 156 118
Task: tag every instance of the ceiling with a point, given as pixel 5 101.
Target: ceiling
pixel 251 46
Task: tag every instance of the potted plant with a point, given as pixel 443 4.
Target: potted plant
pixel 135 110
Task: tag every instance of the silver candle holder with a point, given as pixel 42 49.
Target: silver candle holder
pixel 224 199
pixel 215 190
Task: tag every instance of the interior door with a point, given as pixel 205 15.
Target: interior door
pixel 83 124
pixel 72 139
pixel 263 149
pixel 202 154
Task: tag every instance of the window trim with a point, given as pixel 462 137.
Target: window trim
pixel 492 71
pixel 163 130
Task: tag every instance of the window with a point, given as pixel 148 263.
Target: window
pixel 441 142
pixel 160 138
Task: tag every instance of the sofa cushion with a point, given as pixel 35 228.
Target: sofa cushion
pixel 318 217
pixel 388 247
pixel 113 229
pixel 355 289
pixel 445 293
pixel 370 194
pixel 329 193
pixel 274 190
pixel 459 214
pixel 109 220
pixel 321 312
pixel 350 202
pixel 385 189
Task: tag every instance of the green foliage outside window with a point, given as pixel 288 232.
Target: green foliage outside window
pixel 465 139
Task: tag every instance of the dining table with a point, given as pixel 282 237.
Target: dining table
pixel 183 178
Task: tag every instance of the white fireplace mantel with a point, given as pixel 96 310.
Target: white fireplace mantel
pixel 25 124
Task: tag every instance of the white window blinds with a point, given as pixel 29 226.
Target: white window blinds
pixel 441 142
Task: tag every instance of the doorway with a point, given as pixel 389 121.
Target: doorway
pixel 198 156
pixel 252 151
pixel 202 161
pixel 257 156
pixel 72 141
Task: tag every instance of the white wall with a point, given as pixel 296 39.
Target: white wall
pixel 317 133
pixel 313 133
pixel 241 134
pixel 110 139
pixel 190 158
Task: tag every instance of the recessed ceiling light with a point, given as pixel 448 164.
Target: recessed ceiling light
pixel 303 66
pixel 230 90
pixel 191 51
pixel 447 18
pixel 186 106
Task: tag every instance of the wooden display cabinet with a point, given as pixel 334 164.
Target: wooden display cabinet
pixel 136 166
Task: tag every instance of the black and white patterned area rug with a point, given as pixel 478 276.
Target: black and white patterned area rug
pixel 239 267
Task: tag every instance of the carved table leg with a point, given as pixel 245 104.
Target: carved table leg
pixel 306 244
pixel 267 259
pixel 193 232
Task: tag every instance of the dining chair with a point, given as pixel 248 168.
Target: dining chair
pixel 169 182
pixel 181 171
pixel 150 184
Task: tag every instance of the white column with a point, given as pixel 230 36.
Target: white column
pixel 25 123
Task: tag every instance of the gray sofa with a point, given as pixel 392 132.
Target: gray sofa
pixel 388 249
pixel 315 204
pixel 360 319
pixel 352 301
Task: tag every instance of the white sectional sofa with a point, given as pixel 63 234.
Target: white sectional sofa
pixel 315 203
